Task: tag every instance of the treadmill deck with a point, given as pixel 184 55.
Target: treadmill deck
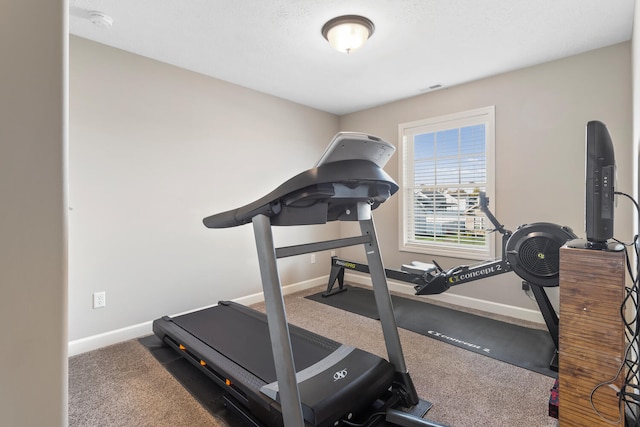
pixel 233 345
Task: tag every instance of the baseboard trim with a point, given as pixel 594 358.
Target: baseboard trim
pixel 286 290
pixel 459 300
pixel 116 336
pixel 105 339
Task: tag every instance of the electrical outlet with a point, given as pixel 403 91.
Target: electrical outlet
pixel 99 299
pixel 313 258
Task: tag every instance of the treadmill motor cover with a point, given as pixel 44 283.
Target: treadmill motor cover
pixel 343 387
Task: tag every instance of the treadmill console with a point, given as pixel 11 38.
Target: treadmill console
pixel 357 146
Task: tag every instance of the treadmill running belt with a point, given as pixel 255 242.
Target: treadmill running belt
pixel 243 337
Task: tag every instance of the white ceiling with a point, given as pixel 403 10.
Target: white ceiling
pixel 275 46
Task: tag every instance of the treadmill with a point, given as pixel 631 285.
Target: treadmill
pixel 276 374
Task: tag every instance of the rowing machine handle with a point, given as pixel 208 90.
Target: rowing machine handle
pixel 484 207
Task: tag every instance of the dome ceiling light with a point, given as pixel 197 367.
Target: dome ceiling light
pixel 347 33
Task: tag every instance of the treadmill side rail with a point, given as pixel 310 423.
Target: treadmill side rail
pixel 218 367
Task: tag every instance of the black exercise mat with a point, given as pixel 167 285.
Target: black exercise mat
pixel 527 348
pixel 201 387
pixel 355 300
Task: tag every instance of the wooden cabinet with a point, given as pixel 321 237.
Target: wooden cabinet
pixel 592 339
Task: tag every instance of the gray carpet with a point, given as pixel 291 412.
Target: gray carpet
pixel 124 385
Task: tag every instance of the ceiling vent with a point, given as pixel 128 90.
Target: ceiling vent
pixel 431 88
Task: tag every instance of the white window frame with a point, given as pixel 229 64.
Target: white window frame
pixel 406 131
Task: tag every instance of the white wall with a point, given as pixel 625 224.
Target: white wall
pixel 33 286
pixel 541 113
pixel 153 150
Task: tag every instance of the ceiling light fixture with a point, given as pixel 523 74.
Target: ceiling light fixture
pixel 347 33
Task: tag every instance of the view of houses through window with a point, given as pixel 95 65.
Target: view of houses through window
pixel 446 164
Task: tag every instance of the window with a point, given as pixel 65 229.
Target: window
pixel 445 163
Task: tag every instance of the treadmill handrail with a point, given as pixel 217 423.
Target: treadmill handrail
pixel 327 184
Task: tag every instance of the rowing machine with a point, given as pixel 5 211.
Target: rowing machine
pixel 532 252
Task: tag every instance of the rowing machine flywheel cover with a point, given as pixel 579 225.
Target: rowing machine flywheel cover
pixel 533 251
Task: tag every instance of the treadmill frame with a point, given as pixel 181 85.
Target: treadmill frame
pixel 268 254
